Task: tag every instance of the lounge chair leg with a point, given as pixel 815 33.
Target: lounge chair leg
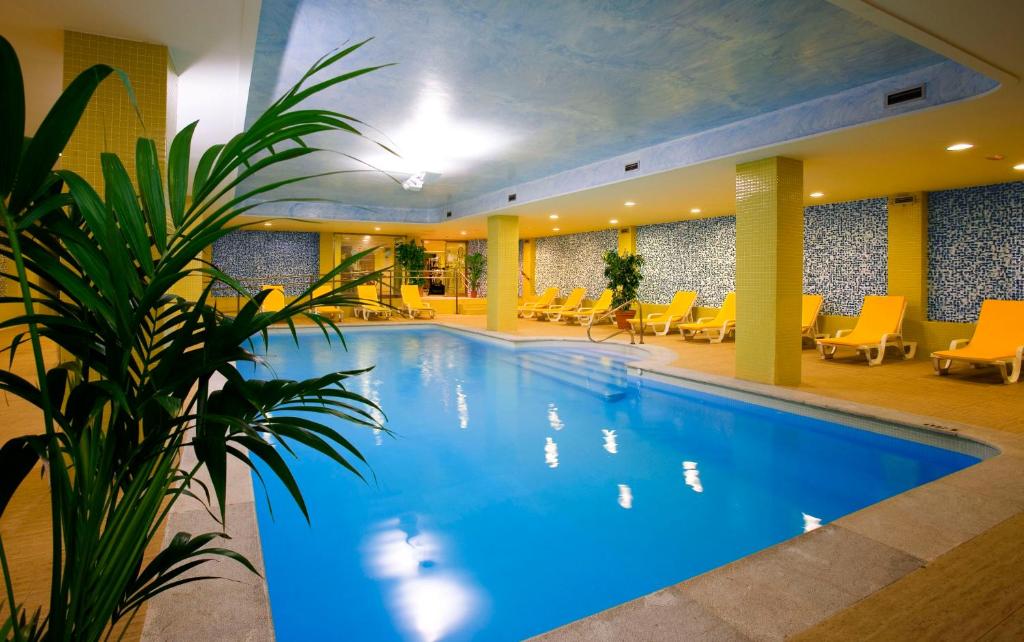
pixel 909 349
pixel 877 360
pixel 941 366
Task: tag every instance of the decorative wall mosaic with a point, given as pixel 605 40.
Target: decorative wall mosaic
pixel 846 253
pixel 975 249
pixel 574 261
pixel 480 245
pixel 698 255
pixel 262 258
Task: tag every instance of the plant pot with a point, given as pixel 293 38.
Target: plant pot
pixel 622 318
pixel 473 294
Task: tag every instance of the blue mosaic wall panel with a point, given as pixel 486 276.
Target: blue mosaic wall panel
pixel 574 261
pixel 263 258
pixel 697 255
pixel 846 253
pixel 975 249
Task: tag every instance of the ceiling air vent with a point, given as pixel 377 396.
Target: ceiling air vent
pixel 511 197
pixel 448 215
pixel 904 96
pixel 904 199
pixel 632 166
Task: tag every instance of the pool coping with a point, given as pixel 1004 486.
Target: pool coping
pixel 769 595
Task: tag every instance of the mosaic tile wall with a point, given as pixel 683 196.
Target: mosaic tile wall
pixel 480 245
pixel 574 261
pixel 975 249
pixel 698 255
pixel 846 253
pixel 261 258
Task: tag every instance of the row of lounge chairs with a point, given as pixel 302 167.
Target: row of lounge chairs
pixel 370 306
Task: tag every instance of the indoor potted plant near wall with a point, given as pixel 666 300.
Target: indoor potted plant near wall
pixel 475 264
pixel 412 258
pixel 623 274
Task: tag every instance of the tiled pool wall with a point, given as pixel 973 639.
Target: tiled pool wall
pixel 975 239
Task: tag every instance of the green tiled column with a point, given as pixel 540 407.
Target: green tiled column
pixel 769 270
pixel 502 272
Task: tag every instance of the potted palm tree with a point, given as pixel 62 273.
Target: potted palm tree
pixel 624 277
pixel 475 264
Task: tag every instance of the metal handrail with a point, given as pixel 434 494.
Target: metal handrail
pixel 629 328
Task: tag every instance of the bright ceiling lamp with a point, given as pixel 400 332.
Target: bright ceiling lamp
pixel 1019 167
pixel 434 139
pixel 553 217
pixel 556 229
pixel 415 182
pixel 695 210
pixel 629 203
pixel 817 194
pixel 267 224
pixel 959 147
pixel 614 221
pixel 376 229
pixel 462 232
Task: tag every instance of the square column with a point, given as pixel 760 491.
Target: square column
pixel 769 270
pixel 502 272
pixel 908 261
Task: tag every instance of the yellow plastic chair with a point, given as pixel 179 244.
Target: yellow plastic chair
pixel 527 310
pixel 680 309
pixel 327 310
pixel 879 326
pixel 715 329
pixel 275 300
pixel 571 303
pixel 811 308
pixel 370 303
pixel 998 341
pixel 588 316
pixel 414 305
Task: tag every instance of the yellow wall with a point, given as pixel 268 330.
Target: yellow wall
pixel 529 268
pixel 502 272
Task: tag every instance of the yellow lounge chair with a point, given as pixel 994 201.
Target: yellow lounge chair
pixel 879 326
pixel 527 310
pixel 715 329
pixel 370 303
pixel 811 308
pixel 570 304
pixel 588 316
pixel 327 310
pixel 680 309
pixel 275 300
pixel 998 341
pixel 414 305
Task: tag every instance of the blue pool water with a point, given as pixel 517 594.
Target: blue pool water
pixel 514 498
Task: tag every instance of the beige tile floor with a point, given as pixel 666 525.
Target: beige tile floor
pixel 973 592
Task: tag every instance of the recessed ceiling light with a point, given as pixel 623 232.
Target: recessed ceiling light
pixel 462 232
pixel 555 229
pixel 267 224
pixel 1019 167
pixel 695 210
pixel 376 229
pixel 817 194
pixel 614 221
pixel 553 217
pixel 366 238
pixel 959 147
pixel 629 203
pixel 995 157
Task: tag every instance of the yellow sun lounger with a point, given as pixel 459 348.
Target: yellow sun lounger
pixel 414 305
pixel 275 300
pixel 571 303
pixel 811 308
pixel 680 309
pixel 527 310
pixel 370 303
pixel 879 326
pixel 715 329
pixel 588 316
pixel 327 310
pixel 998 341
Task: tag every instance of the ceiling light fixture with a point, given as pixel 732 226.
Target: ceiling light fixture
pixel 1019 167
pixel 376 229
pixel 415 182
pixel 553 217
pixel 959 147
pixel 462 232
pixel 629 203
pixel 267 224
pixel 555 229
pixel 695 210
pixel 614 221
pixel 817 194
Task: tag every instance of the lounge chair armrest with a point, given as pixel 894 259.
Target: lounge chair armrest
pixel 705 319
pixel 654 314
pixel 958 343
pixel 843 333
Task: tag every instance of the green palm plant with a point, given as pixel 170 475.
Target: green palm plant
pixel 137 384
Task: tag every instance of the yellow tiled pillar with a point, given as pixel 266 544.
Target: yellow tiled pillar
pixel 908 260
pixel 502 272
pixel 529 267
pixel 769 270
pixel 627 240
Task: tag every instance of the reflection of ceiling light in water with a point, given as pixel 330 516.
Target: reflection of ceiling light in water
pixel 692 476
pixel 610 444
pixel 550 453
pixel 625 496
pixel 811 522
pixel 415 182
pixel 462 406
pixel 553 419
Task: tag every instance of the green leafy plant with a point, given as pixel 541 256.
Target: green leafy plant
pixel 412 258
pixel 138 382
pixel 624 276
pixel 476 263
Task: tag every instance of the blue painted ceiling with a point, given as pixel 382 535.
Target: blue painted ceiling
pixel 491 94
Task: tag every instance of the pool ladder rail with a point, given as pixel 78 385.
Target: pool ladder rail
pixel 629 327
